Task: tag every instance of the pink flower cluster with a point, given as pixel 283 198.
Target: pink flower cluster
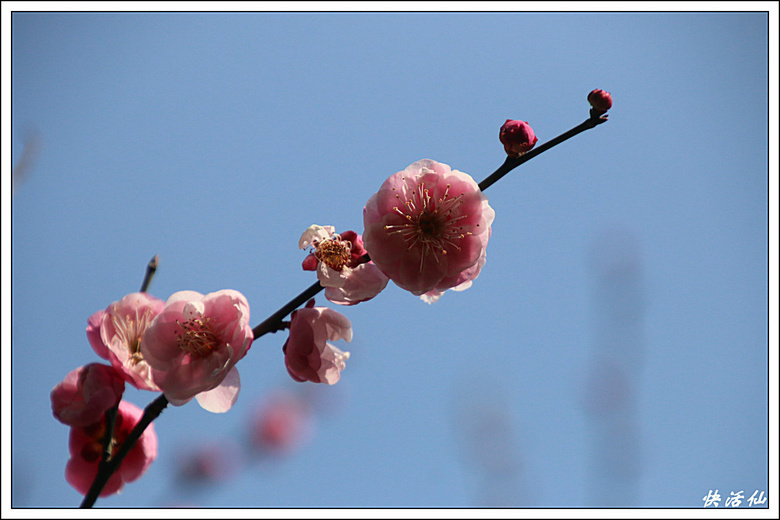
pixel 426 228
pixel 186 347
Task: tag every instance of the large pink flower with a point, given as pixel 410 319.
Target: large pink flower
pixel 86 393
pixel 115 334
pixel 307 353
pixel 86 445
pixel 338 259
pixel 427 225
pixel 194 344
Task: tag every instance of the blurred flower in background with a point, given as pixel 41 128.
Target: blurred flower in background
pixel 280 424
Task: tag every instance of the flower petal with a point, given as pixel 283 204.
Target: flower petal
pixel 222 398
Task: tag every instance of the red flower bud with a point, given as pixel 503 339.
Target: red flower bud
pixel 517 137
pixel 601 100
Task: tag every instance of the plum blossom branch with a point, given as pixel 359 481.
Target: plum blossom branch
pixel 513 162
pixel 151 412
pixel 275 322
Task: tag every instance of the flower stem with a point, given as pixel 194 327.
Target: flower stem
pixel 108 439
pixel 513 162
pixel 151 267
pixel 105 471
pixel 274 321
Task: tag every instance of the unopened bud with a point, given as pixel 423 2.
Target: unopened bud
pixel 517 137
pixel 600 100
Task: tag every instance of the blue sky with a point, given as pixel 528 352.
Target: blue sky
pixel 628 265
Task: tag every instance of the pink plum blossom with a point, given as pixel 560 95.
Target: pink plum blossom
pixel 517 137
pixel 427 226
pixel 116 333
pixel 338 259
pixel 193 345
pixel 86 446
pixel 307 353
pixel 86 393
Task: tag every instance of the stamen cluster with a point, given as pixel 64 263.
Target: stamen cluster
pixel 199 338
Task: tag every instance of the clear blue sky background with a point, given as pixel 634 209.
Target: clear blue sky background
pixel 213 140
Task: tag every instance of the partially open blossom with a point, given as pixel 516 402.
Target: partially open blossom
pixel 427 225
pixel 307 353
pixel 517 137
pixel 600 100
pixel 86 446
pixel 338 259
pixel 193 345
pixel 116 333
pixel 86 393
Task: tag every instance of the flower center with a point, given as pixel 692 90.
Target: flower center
pixel 130 330
pixel 333 252
pixel 198 338
pixel 431 224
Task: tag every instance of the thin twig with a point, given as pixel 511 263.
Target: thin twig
pixel 513 162
pixel 151 267
pixel 274 321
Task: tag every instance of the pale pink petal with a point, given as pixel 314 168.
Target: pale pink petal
pixel 313 233
pixel 224 396
pixel 364 282
pixel 333 363
pixel 185 296
pixel 93 334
